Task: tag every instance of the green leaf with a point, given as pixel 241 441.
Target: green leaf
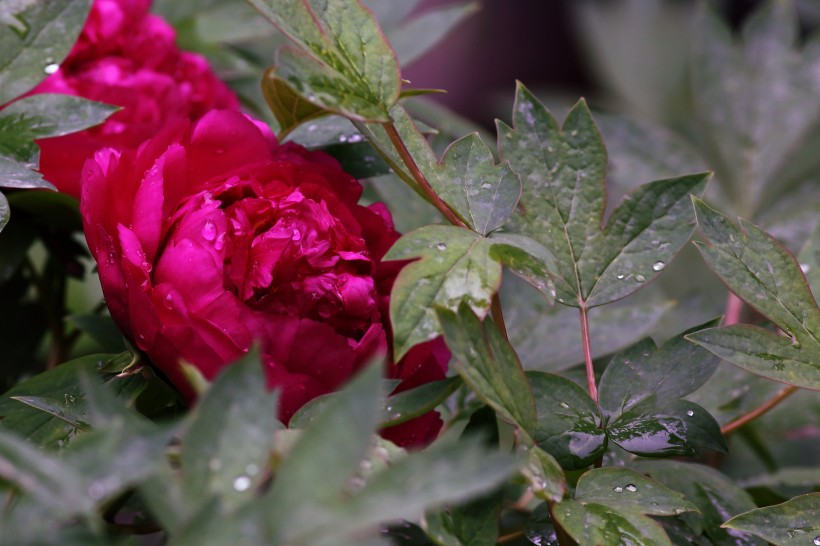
pixel 568 421
pixel 471 524
pixel 546 478
pixel 100 328
pixel 563 173
pixel 343 62
pixel 288 107
pixel 793 523
pixel 227 445
pixel 415 402
pixel 323 459
pixel 669 372
pixel 488 364
pixel 624 488
pixel 482 193
pixel 657 427
pixel 757 98
pixel 715 496
pixel 809 259
pixel 455 267
pixel 68 410
pixel 762 273
pixel 593 523
pixel 33 37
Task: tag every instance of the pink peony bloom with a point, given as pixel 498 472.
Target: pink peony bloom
pixel 126 57
pixel 211 236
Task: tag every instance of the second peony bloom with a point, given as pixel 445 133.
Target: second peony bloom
pixel 211 237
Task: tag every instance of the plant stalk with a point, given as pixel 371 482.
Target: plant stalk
pixel 419 177
pixel 734 309
pixel 757 412
pixel 593 389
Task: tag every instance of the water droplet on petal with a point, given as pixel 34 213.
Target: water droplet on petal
pixel 690 413
pixel 441 246
pixel 640 278
pixel 209 230
pixel 51 68
pixel 296 235
pixel 219 244
pixel 618 489
pixel 631 487
pixel 169 301
pixel 242 483
pixel 657 266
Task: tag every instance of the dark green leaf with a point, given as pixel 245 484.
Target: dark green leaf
pixel 657 427
pixel 358 159
pixel 488 364
pixel 563 172
pixel 471 524
pixel 592 523
pixel 34 37
pixel 762 273
pixel 455 267
pixel 546 478
pixel 626 488
pixel 669 372
pixel 69 410
pixel 343 62
pixel 412 403
pixel 568 422
pixel 58 211
pixel 100 328
pixel 226 447
pixel 793 523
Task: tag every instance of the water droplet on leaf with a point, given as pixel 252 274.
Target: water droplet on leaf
pixel 690 413
pixel 486 186
pixel 631 487
pixel 657 266
pixel 640 278
pixel 805 268
pixel 355 138
pixel 618 489
pixel 620 277
pixel 242 483
pixel 564 405
pixel 441 246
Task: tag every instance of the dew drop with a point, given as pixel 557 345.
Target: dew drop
pixel 805 268
pixel 296 235
pixel 242 483
pixel 817 540
pixel 389 408
pixel 51 68
pixel 657 266
pixel 640 278
pixel 219 244
pixel 441 246
pixel 618 489
pixel 690 413
pixel 620 277
pixel 486 186
pixel 342 138
pixel 574 132
pixel 311 128
pixel 169 301
pixel 564 405
pixel 631 487
pixel 355 138
pixel 209 230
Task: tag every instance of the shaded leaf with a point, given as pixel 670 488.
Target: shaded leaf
pixel 568 421
pixel 68 410
pixel 471 524
pixel 762 273
pixel 34 36
pixel 592 523
pixel 288 106
pixel 5 211
pixel 341 61
pixel 546 478
pixel 793 523
pixel 624 487
pixel 488 364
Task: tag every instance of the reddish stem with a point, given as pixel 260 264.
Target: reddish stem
pixel 757 412
pixel 734 309
pixel 593 389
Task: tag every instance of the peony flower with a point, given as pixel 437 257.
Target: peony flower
pixel 211 237
pixel 126 57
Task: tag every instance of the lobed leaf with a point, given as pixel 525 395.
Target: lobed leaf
pixel 762 273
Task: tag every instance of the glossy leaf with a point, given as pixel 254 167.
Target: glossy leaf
pixel 34 36
pixel 762 273
pixel 568 421
pixel 593 523
pixel 658 427
pixel 624 487
pixel 488 364
pixel 793 523
pixel 341 61
pixel 669 372
pixel 757 98
pixel 455 266
pixel 546 478
pixel 227 446
pixel 716 497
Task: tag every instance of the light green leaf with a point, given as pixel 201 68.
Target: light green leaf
pixel 763 274
pixel 793 523
pixel 343 62
pixel 757 98
pixel 455 266
pixel 488 364
pixel 288 107
pixel 228 443
pixel 623 487
pixel 35 36
pixel 608 525
pixel 563 172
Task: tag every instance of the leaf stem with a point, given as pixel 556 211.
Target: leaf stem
pixel 419 177
pixel 734 308
pixel 760 410
pixel 585 340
